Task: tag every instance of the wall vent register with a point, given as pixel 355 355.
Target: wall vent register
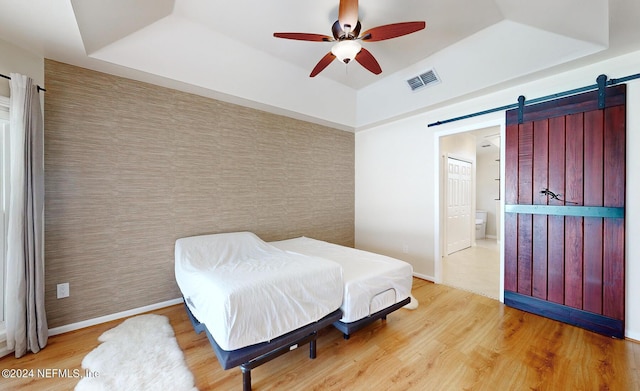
pixel 423 80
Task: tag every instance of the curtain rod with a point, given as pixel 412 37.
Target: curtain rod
pixel 9 78
pixel 609 82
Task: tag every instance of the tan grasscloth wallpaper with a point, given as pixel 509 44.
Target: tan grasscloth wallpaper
pixel 130 167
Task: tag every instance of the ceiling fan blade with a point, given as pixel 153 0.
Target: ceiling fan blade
pixel 304 37
pixel 348 13
pixel 366 59
pixel 323 63
pixel 394 30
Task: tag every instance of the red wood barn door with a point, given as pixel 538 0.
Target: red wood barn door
pixel 564 220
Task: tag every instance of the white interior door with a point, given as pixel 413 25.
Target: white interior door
pixel 459 180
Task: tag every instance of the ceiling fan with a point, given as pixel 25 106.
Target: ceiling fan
pixel 346 34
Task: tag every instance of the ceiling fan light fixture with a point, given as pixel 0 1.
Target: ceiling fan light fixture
pixel 346 50
pixel 346 34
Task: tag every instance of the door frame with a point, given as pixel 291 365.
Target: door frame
pixel 439 229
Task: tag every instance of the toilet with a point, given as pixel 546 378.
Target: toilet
pixel 481 224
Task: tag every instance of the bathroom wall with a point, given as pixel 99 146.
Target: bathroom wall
pixel 488 188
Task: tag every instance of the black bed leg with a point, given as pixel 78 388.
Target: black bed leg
pixel 246 378
pixel 312 349
pixel 345 336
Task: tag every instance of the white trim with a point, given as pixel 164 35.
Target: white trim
pixel 633 337
pixel 3 341
pixel 108 318
pixel 424 277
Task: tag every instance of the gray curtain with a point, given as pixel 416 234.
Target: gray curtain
pixel 26 320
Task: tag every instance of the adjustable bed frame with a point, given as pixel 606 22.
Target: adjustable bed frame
pixel 253 356
pixel 348 328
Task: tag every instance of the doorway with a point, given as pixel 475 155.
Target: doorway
pixel 476 266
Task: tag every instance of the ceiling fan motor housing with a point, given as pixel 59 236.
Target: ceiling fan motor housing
pixel 345 32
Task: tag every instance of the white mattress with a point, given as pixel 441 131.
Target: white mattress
pixel 247 291
pixel 372 281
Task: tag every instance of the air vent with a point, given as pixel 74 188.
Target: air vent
pixel 423 80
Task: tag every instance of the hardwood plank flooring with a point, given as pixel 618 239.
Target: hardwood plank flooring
pixel 455 340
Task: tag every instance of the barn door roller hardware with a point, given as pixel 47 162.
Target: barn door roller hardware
pixel 601 84
pixel 521 109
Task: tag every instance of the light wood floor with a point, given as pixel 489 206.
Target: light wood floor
pixel 455 340
pixel 475 269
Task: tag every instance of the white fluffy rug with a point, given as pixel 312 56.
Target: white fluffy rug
pixel 140 354
pixel 413 305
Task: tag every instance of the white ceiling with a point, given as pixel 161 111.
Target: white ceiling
pixel 226 50
pixel 487 140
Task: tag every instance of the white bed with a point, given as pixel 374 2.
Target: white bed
pixel 246 291
pixel 372 282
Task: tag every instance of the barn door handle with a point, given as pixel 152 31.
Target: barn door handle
pixel 551 194
pixel 554 196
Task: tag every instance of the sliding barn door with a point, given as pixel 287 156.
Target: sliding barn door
pixel 564 213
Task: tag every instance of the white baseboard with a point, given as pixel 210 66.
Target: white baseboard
pixel 108 318
pixel 635 337
pixel 4 351
pixel 424 277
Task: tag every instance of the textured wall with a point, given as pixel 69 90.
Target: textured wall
pixel 130 167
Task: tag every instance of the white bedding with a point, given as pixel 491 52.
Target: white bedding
pixel 368 277
pixel 247 291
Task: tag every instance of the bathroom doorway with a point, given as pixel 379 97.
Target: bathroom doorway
pixel 475 268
